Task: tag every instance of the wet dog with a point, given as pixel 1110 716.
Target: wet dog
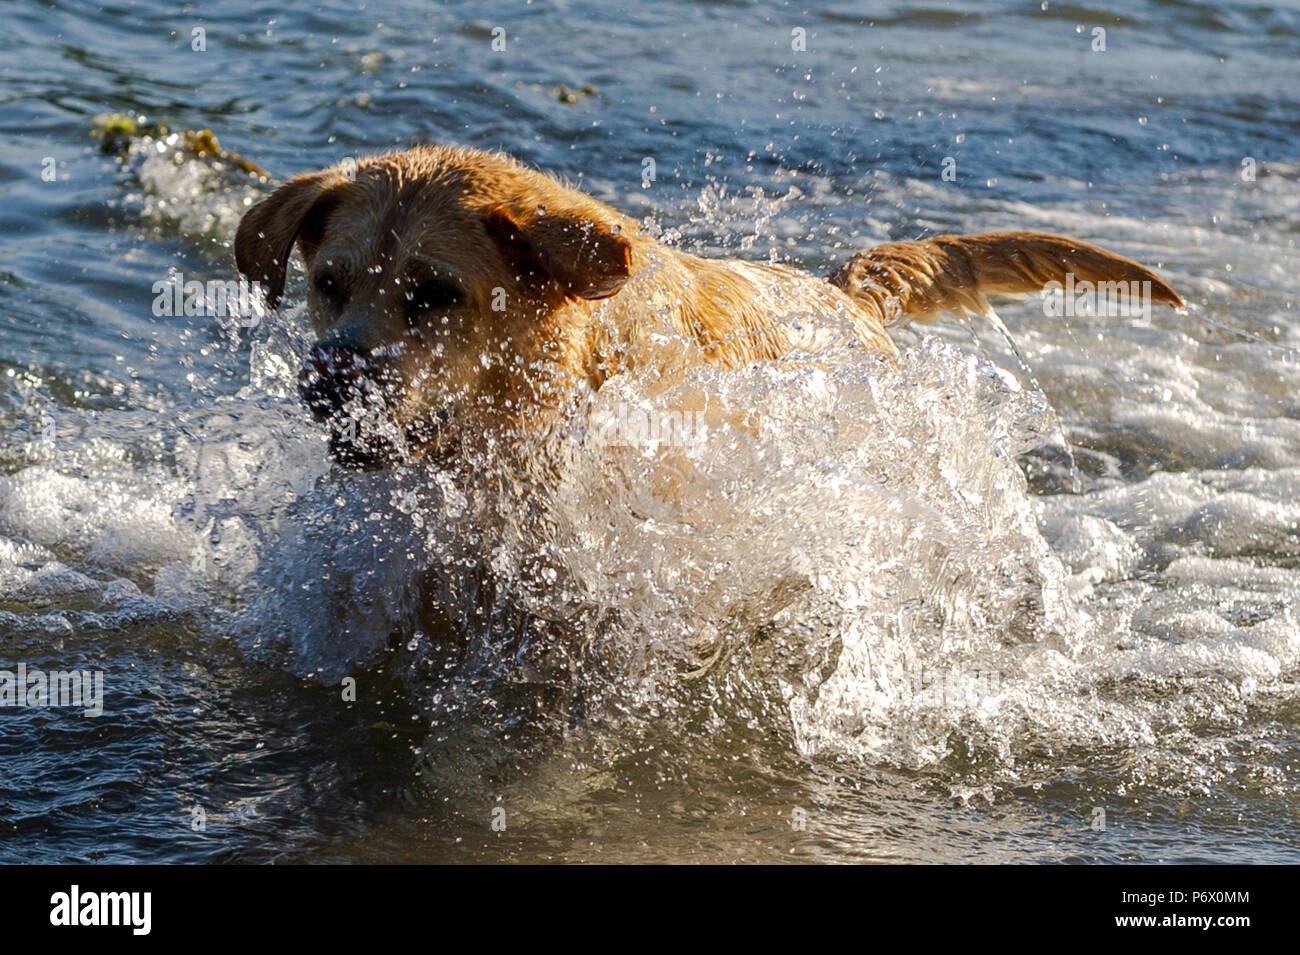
pixel 459 295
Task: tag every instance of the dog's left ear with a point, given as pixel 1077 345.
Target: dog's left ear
pixel 267 232
pixel 583 253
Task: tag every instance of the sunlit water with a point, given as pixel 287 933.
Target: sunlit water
pixel 887 619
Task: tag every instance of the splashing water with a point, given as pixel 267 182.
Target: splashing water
pixel 840 552
pixel 864 550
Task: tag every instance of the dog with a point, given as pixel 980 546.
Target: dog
pixel 460 296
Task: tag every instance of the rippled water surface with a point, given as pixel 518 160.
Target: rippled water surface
pixel 925 610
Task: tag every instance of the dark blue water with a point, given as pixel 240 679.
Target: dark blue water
pixel 1182 547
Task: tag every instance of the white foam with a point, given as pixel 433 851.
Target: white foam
pixel 112 521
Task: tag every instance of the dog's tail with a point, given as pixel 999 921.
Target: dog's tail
pixel 915 281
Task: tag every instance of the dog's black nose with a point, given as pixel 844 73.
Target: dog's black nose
pixel 333 376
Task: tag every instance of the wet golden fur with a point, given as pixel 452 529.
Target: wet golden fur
pixel 557 289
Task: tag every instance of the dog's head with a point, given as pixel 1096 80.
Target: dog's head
pixel 446 287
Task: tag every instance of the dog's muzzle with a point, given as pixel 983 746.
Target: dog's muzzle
pixel 334 379
pixel 341 387
pixel 353 394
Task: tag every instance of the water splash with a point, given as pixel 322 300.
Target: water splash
pixel 842 552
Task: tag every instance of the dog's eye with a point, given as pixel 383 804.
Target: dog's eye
pixel 430 296
pixel 327 284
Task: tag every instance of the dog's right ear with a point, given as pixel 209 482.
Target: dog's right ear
pixel 267 232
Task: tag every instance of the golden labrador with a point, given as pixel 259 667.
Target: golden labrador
pixel 459 293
